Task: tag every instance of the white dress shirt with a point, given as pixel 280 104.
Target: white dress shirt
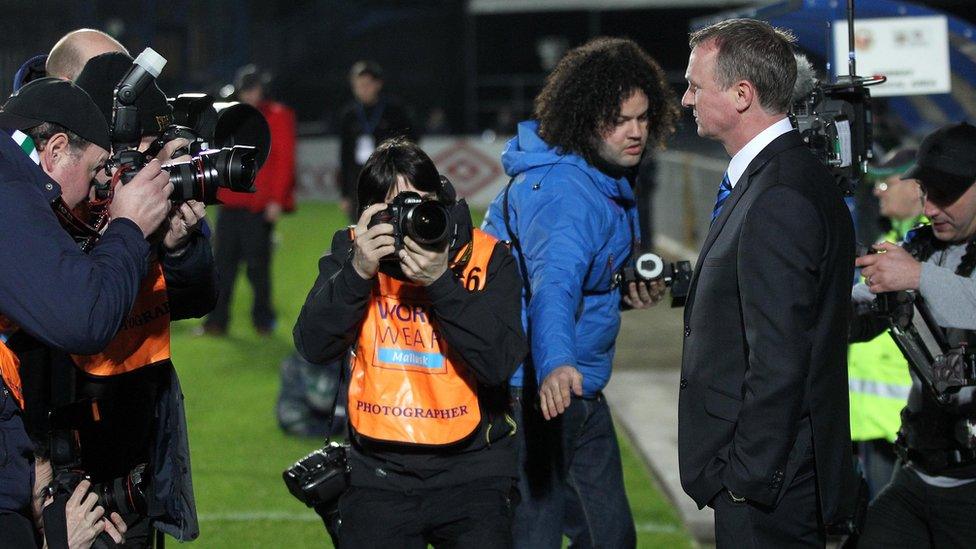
pixel 741 160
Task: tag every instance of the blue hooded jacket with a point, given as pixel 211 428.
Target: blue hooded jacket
pixel 577 227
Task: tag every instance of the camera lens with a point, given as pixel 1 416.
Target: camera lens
pixel 427 222
pixel 198 179
pixel 125 495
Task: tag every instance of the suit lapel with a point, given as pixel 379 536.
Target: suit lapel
pixel 784 142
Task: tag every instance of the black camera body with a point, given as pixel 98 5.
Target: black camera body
pixel 835 122
pixel 239 132
pixel 319 478
pixel 123 495
pixel 425 220
pixel 209 124
pixel 648 267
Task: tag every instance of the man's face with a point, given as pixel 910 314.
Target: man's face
pixel 899 198
pixel 952 221
pixel 75 170
pixel 623 142
pixel 714 108
pixel 366 89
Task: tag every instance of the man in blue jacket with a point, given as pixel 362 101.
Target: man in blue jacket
pixel 571 215
pixel 49 288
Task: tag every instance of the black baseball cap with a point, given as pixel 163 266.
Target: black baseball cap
pixel 101 75
pixel 59 102
pixel 946 161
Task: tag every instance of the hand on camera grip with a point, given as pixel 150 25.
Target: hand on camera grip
pixel 145 199
pixel 371 244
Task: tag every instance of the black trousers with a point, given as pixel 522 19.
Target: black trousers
pixel 793 522
pixel 243 236
pixel 473 515
pixel 911 513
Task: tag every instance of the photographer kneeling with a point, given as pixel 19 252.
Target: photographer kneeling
pixel 435 332
pixel 931 500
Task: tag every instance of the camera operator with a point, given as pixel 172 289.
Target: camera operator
pixel 435 333
pixel 133 380
pixel 49 288
pixel 571 215
pixel 877 372
pixel 931 500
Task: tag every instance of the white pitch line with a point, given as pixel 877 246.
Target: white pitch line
pixel 656 528
pixel 259 515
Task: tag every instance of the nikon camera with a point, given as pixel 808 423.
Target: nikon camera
pixel 425 220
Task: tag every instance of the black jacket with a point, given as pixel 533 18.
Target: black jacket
pixel 765 346
pixel 143 415
pixel 483 327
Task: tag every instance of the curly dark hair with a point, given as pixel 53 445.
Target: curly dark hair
pixel 582 96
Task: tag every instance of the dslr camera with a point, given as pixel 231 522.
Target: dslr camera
pixel 425 220
pixel 239 132
pixel 319 478
pixel 648 267
pixel 123 495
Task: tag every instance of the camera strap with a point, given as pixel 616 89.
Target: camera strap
pixel 335 401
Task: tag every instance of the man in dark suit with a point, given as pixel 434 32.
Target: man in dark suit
pixel 764 436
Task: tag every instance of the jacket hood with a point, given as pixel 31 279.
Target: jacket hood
pixel 527 150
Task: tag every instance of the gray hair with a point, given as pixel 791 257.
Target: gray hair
pixel 756 51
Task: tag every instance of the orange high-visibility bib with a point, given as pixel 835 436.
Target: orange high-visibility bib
pixel 10 365
pixel 143 338
pixel 406 387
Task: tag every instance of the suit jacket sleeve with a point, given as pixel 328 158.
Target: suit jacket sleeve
pixel 779 265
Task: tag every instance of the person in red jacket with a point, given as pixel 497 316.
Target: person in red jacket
pixel 246 221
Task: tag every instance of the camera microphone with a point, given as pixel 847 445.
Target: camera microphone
pixel 806 78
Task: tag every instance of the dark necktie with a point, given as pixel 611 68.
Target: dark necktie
pixel 724 190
